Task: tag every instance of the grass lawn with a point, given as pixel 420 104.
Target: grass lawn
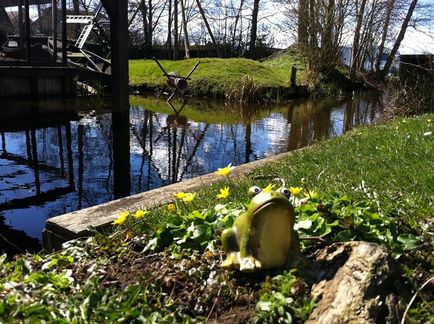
pixel 375 183
pixel 391 163
pixel 214 76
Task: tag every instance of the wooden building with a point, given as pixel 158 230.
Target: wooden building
pixel 31 75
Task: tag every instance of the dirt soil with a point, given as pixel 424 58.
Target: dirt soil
pixel 197 286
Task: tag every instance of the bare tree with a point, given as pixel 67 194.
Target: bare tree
pixel 399 39
pixel 254 28
pixel 169 28
pixel 360 12
pixel 184 26
pixel 234 31
pixel 175 31
pixel 387 17
pixel 205 20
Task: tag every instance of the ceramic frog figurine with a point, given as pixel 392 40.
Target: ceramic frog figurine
pixel 263 237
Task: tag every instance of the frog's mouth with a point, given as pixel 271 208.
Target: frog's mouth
pixel 273 203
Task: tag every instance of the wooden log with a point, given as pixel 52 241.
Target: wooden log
pixel 354 281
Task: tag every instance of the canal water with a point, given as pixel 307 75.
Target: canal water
pixel 54 163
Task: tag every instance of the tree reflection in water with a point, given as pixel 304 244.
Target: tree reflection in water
pixel 62 165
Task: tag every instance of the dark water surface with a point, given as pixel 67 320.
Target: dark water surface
pixel 54 165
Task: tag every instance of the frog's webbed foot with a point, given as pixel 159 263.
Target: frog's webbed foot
pixel 232 261
pixel 249 264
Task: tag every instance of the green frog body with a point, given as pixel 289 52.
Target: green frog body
pixel 263 237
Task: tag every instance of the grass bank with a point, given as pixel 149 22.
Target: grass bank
pixel 374 183
pixel 234 78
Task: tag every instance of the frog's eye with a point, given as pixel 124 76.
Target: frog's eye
pixel 284 191
pixel 253 191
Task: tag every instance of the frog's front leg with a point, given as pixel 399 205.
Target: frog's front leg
pixel 231 247
pixel 248 262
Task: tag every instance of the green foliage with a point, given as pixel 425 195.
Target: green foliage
pixel 284 299
pixel 45 289
pixel 195 230
pixel 338 218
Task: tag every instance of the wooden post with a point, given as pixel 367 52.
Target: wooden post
pixel 118 12
pixel 20 22
pixel 293 76
pixel 54 27
pixel 64 36
pixel 27 27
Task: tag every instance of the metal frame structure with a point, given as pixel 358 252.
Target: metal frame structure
pixel 179 83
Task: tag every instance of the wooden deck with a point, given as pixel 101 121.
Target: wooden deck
pixel 18 81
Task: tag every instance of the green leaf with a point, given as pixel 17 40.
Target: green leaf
pixel 344 236
pixel 2 307
pixel 195 214
pixel 304 224
pixel 264 306
pixel 152 244
pixel 409 241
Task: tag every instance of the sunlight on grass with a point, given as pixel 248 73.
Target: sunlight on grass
pixel 214 76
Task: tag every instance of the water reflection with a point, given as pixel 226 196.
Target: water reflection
pixel 76 162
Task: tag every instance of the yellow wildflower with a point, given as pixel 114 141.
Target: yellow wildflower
pixel 269 188
pixel 312 194
pixel 180 195
pixel 140 213
pixel 189 197
pixel 225 171
pixel 224 193
pixel 429 120
pixel 122 218
pixel 171 207
pixel 295 191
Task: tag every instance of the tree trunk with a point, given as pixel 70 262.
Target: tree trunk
pixel 328 54
pixel 169 30
pixel 254 29
pixel 312 50
pixel 144 11
pixel 184 26
pixel 356 40
pixel 175 31
pixel 150 32
pixel 237 18
pixel 208 27
pixel 365 42
pixel 399 39
pixel 390 5
pixel 303 18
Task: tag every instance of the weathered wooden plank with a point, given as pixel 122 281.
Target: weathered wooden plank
pixel 76 224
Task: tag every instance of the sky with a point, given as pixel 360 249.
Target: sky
pixel 417 40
